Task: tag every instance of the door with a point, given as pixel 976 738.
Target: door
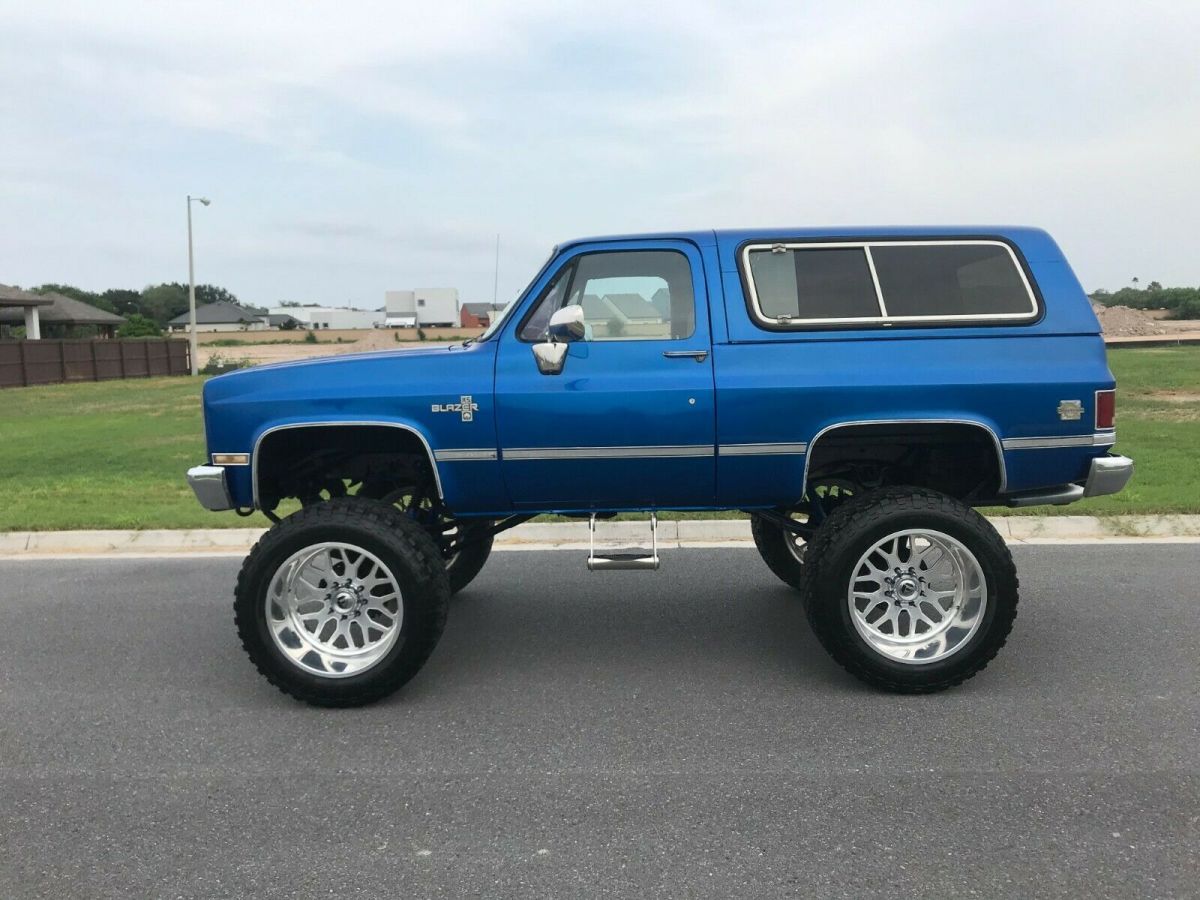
pixel 629 422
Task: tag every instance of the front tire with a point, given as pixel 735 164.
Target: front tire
pixel 910 590
pixel 469 557
pixel 782 550
pixel 341 603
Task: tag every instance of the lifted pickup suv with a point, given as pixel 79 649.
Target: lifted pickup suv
pixel 858 391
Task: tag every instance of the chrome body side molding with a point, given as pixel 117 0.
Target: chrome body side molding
pixel 1100 439
pixel 796 449
pixel 659 452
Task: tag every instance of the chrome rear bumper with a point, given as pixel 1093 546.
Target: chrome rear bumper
pixel 1108 475
pixel 209 485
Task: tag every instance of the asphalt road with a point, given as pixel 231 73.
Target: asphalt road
pixel 678 734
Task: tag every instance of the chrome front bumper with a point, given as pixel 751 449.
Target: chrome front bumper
pixel 1108 475
pixel 209 485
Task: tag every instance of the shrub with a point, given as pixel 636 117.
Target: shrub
pixel 1188 308
pixel 217 364
pixel 137 326
pixel 421 336
pixel 311 338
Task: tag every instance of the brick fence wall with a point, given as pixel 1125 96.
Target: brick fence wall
pixel 24 363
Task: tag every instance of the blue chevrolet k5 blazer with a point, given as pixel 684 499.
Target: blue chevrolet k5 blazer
pixel 858 391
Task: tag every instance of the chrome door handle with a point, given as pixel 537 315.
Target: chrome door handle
pixel 698 355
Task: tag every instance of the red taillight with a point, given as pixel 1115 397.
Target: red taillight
pixel 1106 409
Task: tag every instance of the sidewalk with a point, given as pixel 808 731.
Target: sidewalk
pixel 672 534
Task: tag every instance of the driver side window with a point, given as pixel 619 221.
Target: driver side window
pixel 639 295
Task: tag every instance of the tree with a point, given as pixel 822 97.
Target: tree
pixel 137 326
pixel 124 302
pixel 163 302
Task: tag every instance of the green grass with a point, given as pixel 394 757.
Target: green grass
pixel 113 454
pixel 1158 426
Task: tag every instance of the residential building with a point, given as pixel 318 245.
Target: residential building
pixel 479 315
pixel 221 317
pixel 24 308
pixel 60 316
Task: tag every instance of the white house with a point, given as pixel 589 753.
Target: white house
pixel 421 306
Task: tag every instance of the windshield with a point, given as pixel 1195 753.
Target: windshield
pixel 498 322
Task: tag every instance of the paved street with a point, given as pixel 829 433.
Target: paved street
pixel 622 734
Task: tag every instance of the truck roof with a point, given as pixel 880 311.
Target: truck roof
pixel 1021 234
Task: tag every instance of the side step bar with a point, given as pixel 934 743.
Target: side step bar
pixel 627 558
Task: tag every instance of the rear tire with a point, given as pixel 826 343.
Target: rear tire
pixel 910 590
pixel 341 603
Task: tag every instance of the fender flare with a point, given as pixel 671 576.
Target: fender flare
pixel 342 423
pixel 991 432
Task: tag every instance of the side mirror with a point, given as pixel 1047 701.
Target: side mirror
pixel 550 357
pixel 567 324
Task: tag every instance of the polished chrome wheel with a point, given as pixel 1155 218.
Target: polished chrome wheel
pixel 334 609
pixel 917 596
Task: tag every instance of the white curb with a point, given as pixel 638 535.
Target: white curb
pixel 672 534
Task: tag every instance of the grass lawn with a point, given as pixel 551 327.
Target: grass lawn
pixel 113 454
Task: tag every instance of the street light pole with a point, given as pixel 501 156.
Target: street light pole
pixel 192 286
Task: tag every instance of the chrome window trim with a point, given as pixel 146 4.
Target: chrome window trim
pixel 884 320
pixel 770 449
pixel 519 454
pixel 1053 442
pixel 437 480
pixel 995 440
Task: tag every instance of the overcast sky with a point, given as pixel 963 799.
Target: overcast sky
pixel 353 148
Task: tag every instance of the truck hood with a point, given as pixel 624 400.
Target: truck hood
pixel 382 384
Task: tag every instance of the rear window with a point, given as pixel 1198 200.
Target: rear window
pixel 792 285
pixel 827 283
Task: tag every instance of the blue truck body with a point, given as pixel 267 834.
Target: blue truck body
pixel 733 425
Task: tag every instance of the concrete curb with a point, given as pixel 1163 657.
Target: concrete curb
pixel 672 534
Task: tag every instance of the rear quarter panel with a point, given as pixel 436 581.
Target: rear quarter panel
pixel 780 387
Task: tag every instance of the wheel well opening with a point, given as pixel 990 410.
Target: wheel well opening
pixel 312 461
pixel 957 459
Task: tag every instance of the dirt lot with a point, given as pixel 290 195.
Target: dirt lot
pixel 265 347
pixel 1124 322
pixel 1121 324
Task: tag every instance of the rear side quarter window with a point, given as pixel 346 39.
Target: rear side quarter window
pixel 882 283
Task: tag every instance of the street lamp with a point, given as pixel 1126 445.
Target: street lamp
pixel 192 286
